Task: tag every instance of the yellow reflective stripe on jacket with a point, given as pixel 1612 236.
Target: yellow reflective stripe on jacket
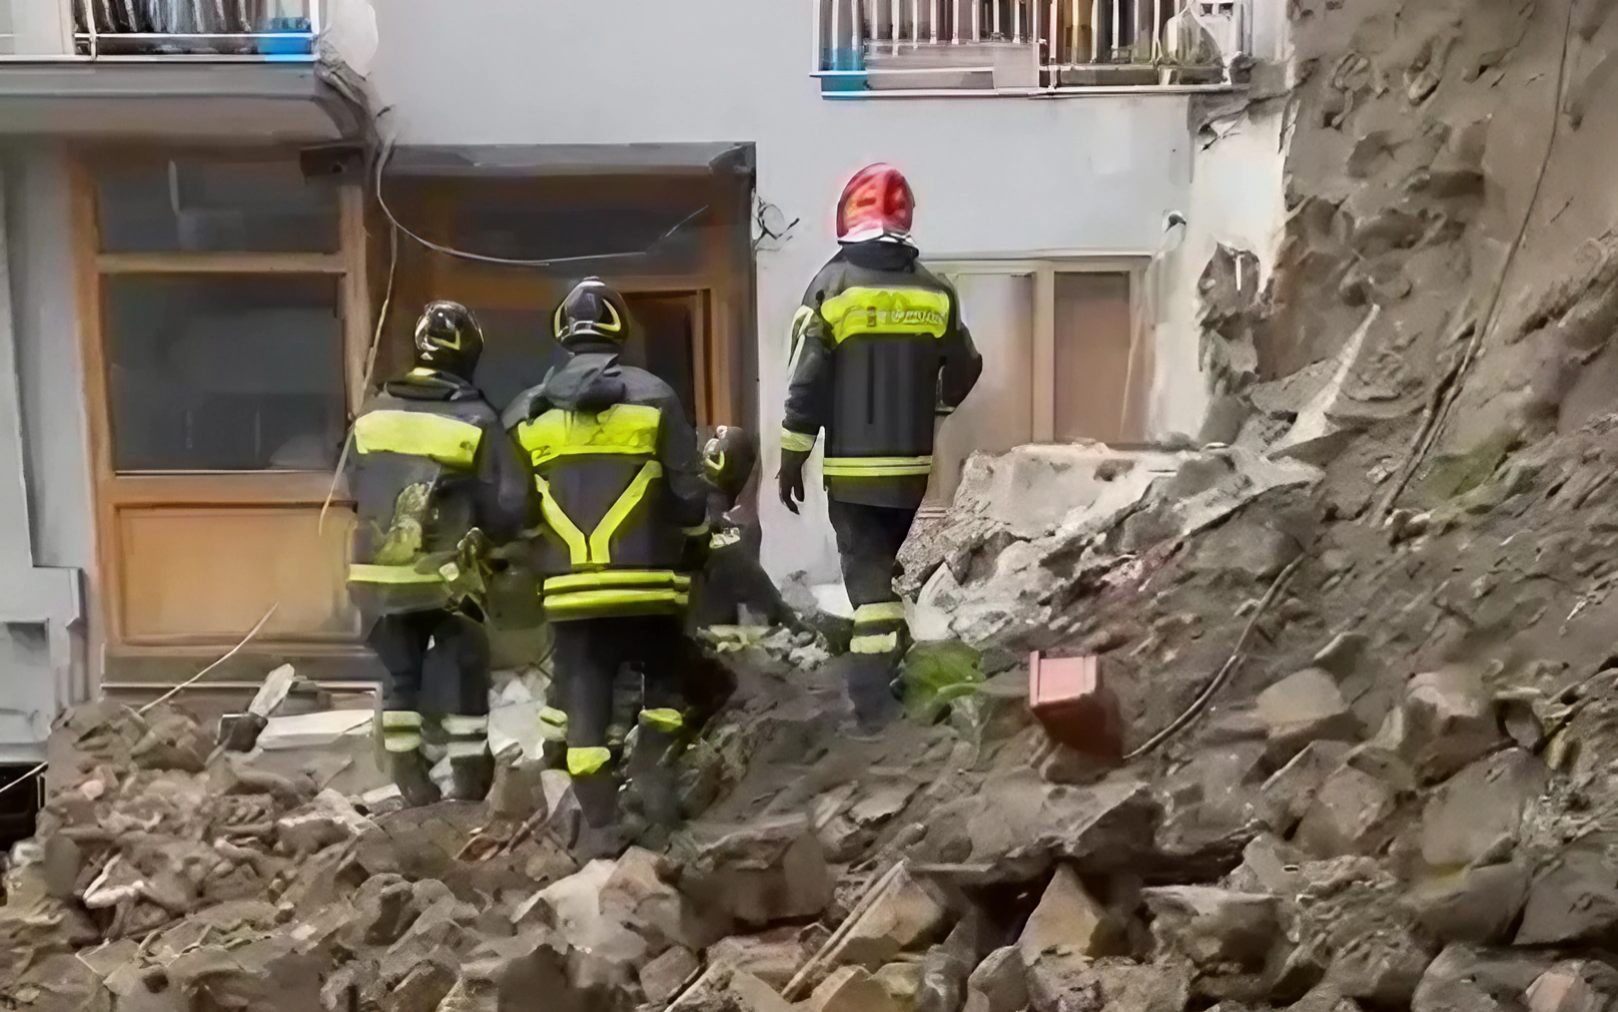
pixel 401 718
pixel 856 311
pixel 882 644
pixel 460 725
pixel 882 611
pixel 605 600
pixel 875 467
pixel 581 762
pixel 797 442
pixel 364 572
pixel 662 719
pixel 601 537
pixel 628 429
pixel 578 546
pixel 417 434
pixel 616 578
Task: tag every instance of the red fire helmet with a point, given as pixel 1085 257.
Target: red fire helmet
pixel 876 204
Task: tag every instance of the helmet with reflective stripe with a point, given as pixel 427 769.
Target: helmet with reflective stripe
pixel 876 204
pixel 448 338
pixel 728 459
pixel 592 311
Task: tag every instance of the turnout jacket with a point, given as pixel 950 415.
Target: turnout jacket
pixel 878 350
pixel 430 462
pixel 619 488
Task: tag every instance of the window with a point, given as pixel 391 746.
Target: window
pixel 222 316
pixel 1061 363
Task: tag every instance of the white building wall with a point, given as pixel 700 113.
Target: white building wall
pixel 994 177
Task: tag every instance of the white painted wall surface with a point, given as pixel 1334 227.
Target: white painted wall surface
pixel 993 176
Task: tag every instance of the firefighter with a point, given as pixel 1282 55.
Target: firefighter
pixel 732 576
pixel 433 473
pixel 878 351
pixel 615 464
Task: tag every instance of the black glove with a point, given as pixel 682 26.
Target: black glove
pixel 791 478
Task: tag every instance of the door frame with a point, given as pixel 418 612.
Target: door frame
pixel 111 492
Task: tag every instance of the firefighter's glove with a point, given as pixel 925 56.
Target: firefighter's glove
pixel 791 478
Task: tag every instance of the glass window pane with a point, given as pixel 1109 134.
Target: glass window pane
pixel 216 207
pixel 999 413
pixel 1092 358
pixel 218 372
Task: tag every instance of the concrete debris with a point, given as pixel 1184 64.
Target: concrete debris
pixel 1214 927
pixel 852 989
pixel 907 915
pixel 1478 814
pixel 1069 920
pixel 773 957
pixel 1303 708
pixel 1353 812
pixel 770 871
pixel 1002 980
pixel 1448 722
pixel 666 976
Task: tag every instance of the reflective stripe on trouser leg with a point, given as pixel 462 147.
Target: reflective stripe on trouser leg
pixel 584 762
pixel 465 736
pixel 401 730
pixel 878 628
pixel 665 719
pixel 552 724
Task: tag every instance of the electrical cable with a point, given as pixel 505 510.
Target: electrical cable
pixel 460 254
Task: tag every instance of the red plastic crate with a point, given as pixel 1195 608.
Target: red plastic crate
pixel 1071 699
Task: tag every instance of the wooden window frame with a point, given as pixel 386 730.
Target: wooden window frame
pixel 1044 271
pixel 111 491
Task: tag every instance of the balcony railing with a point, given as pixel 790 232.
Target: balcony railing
pixel 140 30
pixel 1028 45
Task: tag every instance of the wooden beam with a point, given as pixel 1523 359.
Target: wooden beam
pixel 222 263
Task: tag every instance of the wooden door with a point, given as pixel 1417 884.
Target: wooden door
pixel 225 327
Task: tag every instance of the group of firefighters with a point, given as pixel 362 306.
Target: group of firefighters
pixel 593 487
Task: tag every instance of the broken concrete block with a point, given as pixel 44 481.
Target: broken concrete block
pixel 1576 985
pixel 852 989
pixel 1305 707
pixel 910 913
pixel 1068 919
pixel 1353 813
pixel 725 987
pixel 665 977
pixel 976 1001
pixel 1479 812
pixel 943 981
pixel 513 973
pixel 1475 905
pixel 422 989
pixel 1269 865
pixel 1289 792
pixel 773 957
pixel 639 895
pixel 1573 899
pixel 902 980
pixel 1214 927
pixel 1449 722
pixel 1478 980
pixel 1065 983
pixel 329 819
pixel 761 873
pixel 1002 980
pixel 384 909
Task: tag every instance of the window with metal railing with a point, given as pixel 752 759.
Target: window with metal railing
pixel 1019 45
pixel 241 30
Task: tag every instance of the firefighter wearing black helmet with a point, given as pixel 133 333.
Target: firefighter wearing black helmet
pixel 878 350
pixel 431 467
pixel 622 502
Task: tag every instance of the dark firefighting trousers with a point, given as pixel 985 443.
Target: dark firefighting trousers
pixel 868 542
pixel 590 654
pixel 438 680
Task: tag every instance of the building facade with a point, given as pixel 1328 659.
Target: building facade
pixel 205 268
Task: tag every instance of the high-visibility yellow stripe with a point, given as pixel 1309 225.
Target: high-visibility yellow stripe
pixel 581 762
pixel 360 572
pixel 616 578
pixel 797 442
pixel 662 719
pixel 876 467
pixel 401 741
pixel 695 532
pixel 858 310
pixel 400 719
pixel 723 539
pixel 465 749
pixel 885 643
pixel 552 716
pixel 601 537
pixel 586 600
pixel 629 429
pixel 882 611
pixel 454 724
pixel 578 547
pixel 417 434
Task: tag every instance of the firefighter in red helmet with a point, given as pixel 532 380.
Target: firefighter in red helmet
pixel 878 351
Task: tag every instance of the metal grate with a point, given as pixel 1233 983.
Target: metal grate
pixel 258 30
